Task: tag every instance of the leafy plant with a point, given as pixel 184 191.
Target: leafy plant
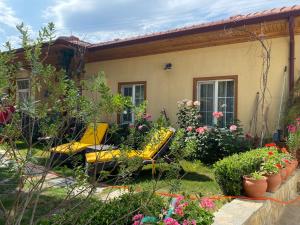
pixel 256 175
pixel 208 144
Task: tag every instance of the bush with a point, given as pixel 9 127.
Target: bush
pixel 100 213
pixel 229 171
pixel 208 144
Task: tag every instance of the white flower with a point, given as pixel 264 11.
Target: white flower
pixel 196 103
pixel 189 103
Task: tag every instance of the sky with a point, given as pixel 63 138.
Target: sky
pixel 103 20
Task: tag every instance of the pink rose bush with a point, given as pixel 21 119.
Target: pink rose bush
pixel 209 144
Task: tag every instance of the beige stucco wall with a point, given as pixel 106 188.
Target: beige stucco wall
pixel 165 88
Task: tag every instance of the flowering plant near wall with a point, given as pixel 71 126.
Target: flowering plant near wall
pixel 293 140
pixel 181 211
pixel 209 144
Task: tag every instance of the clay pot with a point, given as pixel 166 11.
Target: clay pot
pixel 274 181
pixel 295 164
pixel 255 188
pixel 289 169
pixel 283 174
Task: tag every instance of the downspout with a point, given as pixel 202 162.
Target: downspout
pixel 292 55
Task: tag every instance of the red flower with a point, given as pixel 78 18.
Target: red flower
pixel 278 165
pixel 270 153
pixel 286 160
pixel 270 145
pixel 283 150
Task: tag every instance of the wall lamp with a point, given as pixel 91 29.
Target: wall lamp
pixel 168 66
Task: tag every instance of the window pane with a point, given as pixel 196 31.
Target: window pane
pixel 230 105
pixel 222 105
pixel 206 98
pixel 139 94
pixel 127 91
pixel 23 96
pixel 23 84
pixel 229 118
pixel 230 88
pixel 222 88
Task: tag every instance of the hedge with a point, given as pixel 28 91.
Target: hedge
pixel 229 171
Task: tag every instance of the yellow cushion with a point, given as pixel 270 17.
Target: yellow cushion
pixel 89 138
pixel 70 148
pixel 156 142
pixel 94 134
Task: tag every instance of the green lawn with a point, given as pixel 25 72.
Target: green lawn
pixel 195 178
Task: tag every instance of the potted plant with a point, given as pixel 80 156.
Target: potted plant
pixel 271 171
pixel 255 185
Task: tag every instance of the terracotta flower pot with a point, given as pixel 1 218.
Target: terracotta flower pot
pixel 274 181
pixel 289 169
pixel 283 174
pixel 295 164
pixel 255 188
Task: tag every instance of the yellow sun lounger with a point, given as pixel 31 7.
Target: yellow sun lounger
pixel 93 135
pixel 156 147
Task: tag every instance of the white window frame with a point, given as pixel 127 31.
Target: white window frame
pixel 216 94
pixel 133 97
pixel 27 90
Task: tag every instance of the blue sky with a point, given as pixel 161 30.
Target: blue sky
pixel 102 20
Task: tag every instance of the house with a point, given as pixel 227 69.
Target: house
pixel 219 63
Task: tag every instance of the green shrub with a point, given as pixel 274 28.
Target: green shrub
pixel 229 171
pixel 105 213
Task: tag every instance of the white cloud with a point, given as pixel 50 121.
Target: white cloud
pixel 7 15
pixel 106 20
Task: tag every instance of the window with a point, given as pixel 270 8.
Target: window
pixel 216 95
pixel 137 92
pixel 23 90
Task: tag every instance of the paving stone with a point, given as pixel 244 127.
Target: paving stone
pixel 290 215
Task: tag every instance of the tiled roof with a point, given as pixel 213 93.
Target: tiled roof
pixel 232 19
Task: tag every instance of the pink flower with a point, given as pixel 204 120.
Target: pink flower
pixel 217 115
pixel 147 116
pixel 171 221
pixel 207 203
pixel 233 128
pixel 140 127
pixel 189 222
pixel 189 128
pixel 137 217
pixel 196 103
pixel 200 130
pixel 179 210
pixel 137 223
pixel 292 128
pixel 189 103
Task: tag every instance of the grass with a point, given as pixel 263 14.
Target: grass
pixel 196 178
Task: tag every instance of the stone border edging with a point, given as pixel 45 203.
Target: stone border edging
pixel 247 212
